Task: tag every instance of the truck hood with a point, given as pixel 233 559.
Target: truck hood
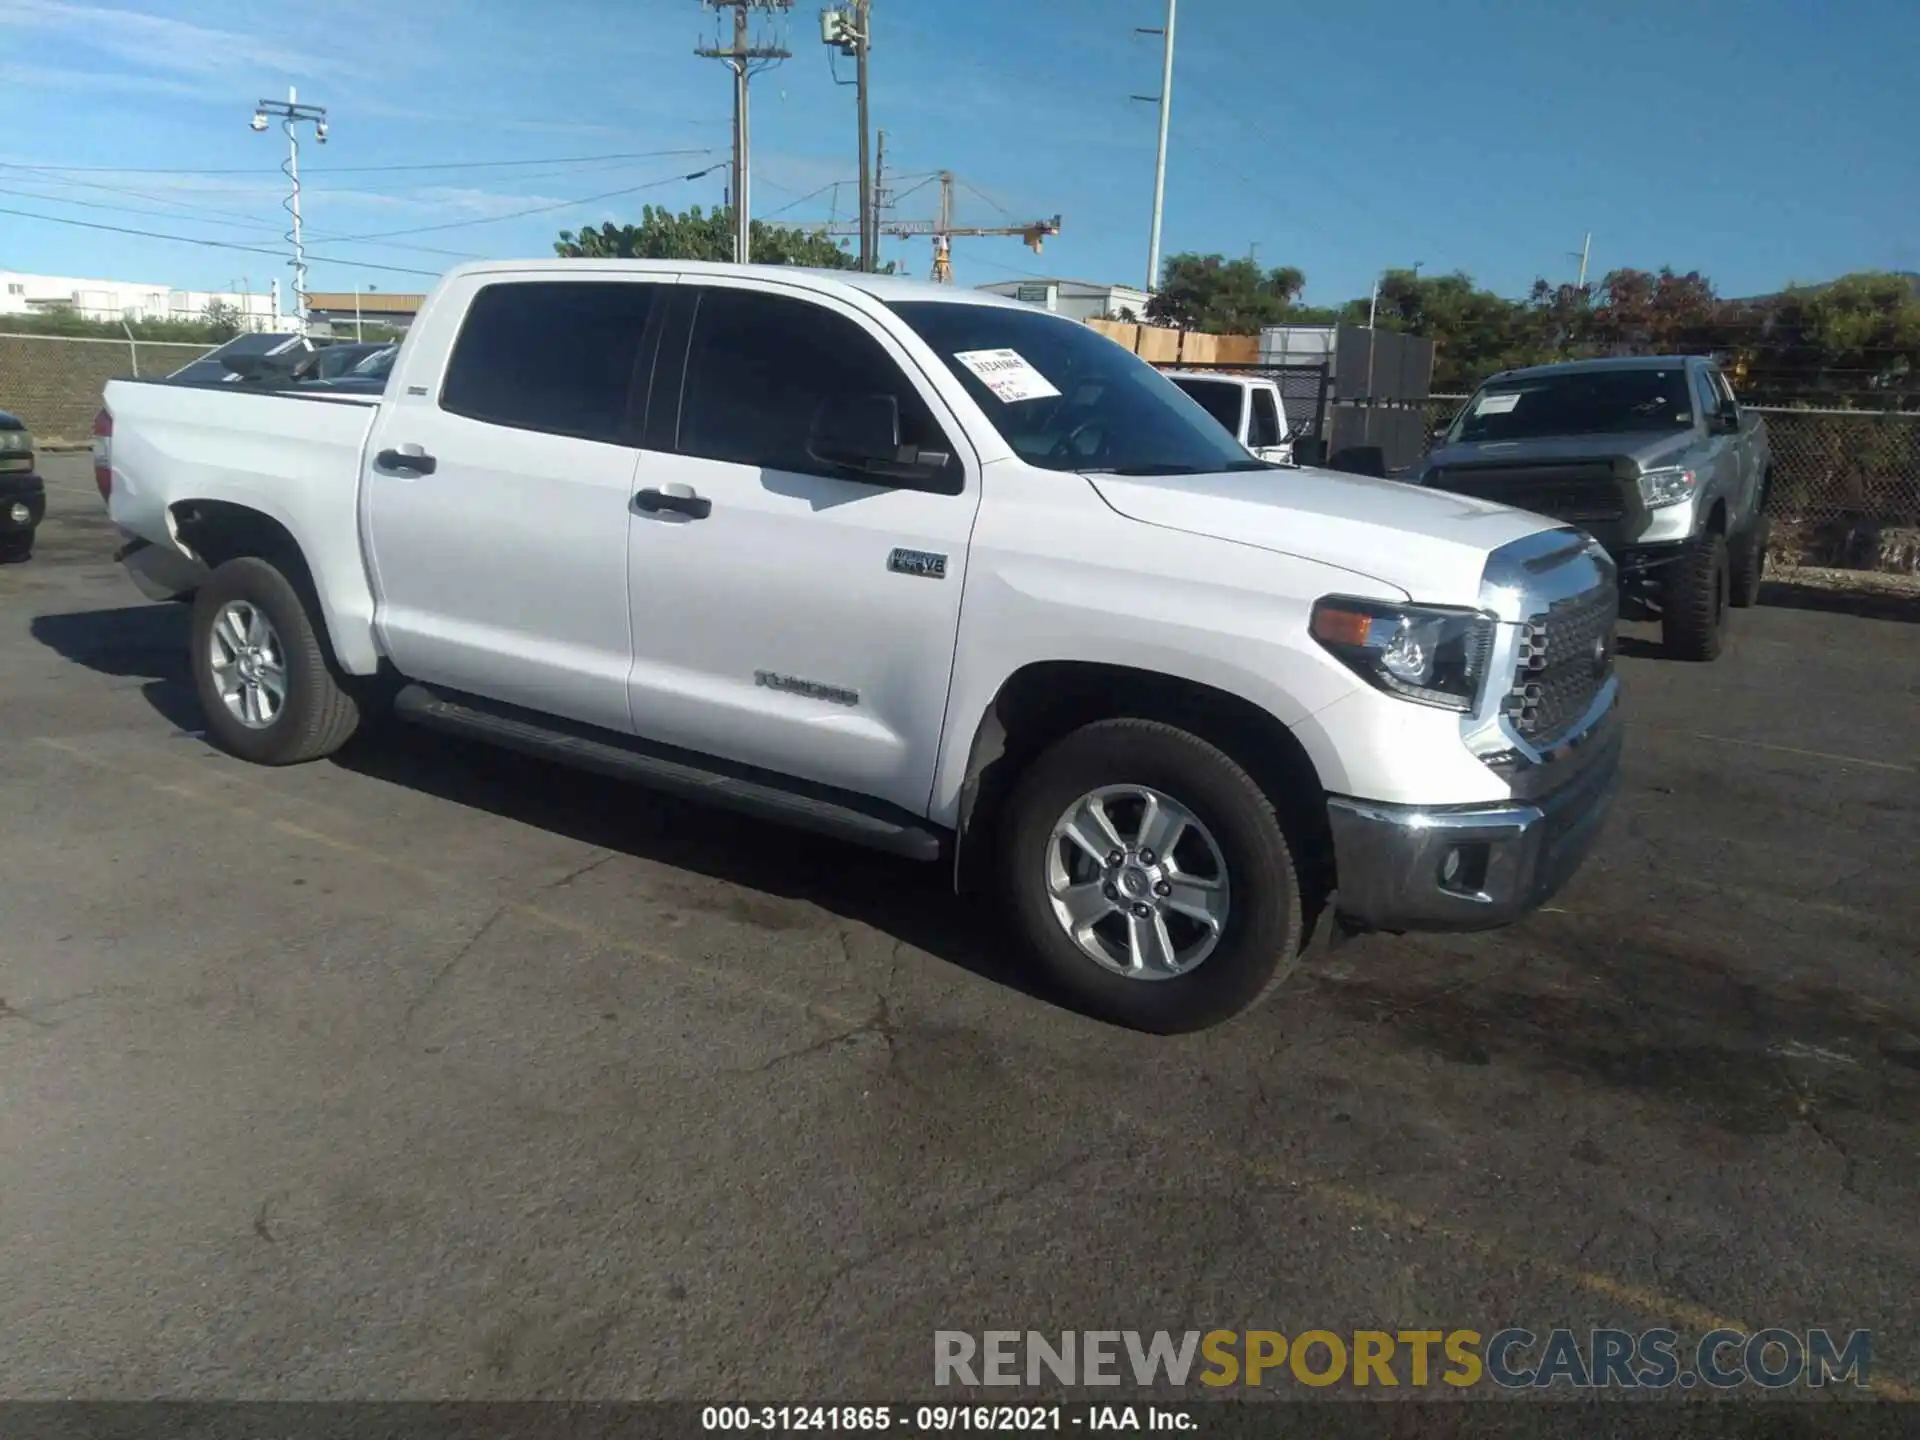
pixel 1431 544
pixel 1647 450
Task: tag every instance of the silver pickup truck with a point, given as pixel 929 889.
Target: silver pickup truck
pixel 1651 455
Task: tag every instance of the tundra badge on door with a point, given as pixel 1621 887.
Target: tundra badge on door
pixel 924 563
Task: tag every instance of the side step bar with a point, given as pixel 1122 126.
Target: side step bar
pixel 679 772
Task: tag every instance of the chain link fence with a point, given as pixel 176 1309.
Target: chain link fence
pixel 1846 483
pixel 53 382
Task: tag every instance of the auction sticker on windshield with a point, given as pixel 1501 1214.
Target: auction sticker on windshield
pixel 1497 404
pixel 1007 374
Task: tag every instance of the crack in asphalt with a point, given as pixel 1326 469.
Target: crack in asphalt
pixel 961 1215
pixel 500 912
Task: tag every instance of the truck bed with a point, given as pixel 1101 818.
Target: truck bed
pixel 293 457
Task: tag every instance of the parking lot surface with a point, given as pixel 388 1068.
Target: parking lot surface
pixel 433 1071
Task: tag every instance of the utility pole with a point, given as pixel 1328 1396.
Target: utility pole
pixel 291 113
pixel 850 32
pixel 1165 98
pixel 746 59
pixel 879 190
pixel 1586 249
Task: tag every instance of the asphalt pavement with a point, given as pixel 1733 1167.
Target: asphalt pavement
pixel 432 1071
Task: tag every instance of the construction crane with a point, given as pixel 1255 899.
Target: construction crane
pixel 942 231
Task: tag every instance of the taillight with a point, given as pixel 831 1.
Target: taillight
pixel 103 453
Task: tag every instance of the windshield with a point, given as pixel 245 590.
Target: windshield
pixel 1074 400
pixel 1579 402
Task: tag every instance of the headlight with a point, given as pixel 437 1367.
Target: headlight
pixel 1435 657
pixel 15 441
pixel 1669 485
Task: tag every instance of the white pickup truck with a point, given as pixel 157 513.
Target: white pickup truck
pixel 1248 406
pixel 909 565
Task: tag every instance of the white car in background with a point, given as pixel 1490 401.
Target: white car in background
pixel 1248 406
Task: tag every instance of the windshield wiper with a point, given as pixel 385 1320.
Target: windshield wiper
pixel 1143 470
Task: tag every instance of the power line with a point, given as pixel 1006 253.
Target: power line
pixel 796 204
pixel 213 244
pixel 536 209
pixel 359 169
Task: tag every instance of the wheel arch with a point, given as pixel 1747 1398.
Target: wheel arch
pixel 216 531
pixel 1046 700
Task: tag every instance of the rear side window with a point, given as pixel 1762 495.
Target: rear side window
pixel 1709 394
pixel 1219 398
pixel 761 366
pixel 564 358
pixel 1265 429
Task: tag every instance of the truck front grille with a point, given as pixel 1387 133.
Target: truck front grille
pixel 1565 656
pixel 1579 494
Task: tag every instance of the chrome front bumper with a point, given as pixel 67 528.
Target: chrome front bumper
pixel 1472 867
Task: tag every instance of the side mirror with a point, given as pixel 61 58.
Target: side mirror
pixel 1728 422
pixel 862 432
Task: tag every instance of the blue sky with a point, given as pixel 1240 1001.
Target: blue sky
pixel 1762 142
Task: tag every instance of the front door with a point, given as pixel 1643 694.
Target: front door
pixel 496 509
pixel 788 614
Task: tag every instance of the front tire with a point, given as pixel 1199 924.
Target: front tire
pixel 1749 560
pixel 1698 589
pixel 16 548
pixel 1149 876
pixel 265 682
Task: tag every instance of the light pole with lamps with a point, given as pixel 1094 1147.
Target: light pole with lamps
pixel 290 112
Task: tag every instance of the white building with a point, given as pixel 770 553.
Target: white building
pixel 1075 299
pixel 22 294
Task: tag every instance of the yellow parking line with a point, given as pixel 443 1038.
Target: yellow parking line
pixel 1815 754
pixel 1649 1302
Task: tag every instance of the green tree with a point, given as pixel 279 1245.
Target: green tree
pixel 1224 297
pixel 701 235
pixel 223 320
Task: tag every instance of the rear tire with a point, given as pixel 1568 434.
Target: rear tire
pixel 1255 940
pixel 1695 603
pixel 315 712
pixel 1749 561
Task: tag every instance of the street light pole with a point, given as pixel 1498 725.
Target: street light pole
pixel 291 113
pixel 1160 155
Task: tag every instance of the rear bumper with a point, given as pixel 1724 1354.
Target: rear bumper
pixel 159 573
pixel 1509 858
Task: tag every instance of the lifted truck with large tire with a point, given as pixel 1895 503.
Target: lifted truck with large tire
pixel 917 567
pixel 1652 456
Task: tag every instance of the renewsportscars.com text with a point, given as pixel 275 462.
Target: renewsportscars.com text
pixel 1512 1359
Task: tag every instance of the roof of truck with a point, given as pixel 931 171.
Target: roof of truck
pixel 1606 362
pixel 888 289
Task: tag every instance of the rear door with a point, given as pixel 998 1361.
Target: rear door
pixel 496 501
pixel 788 614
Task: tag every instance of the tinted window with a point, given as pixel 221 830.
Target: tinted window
pixel 1726 391
pixel 1110 412
pixel 1709 394
pixel 1266 420
pixel 561 357
pixel 759 369
pixel 1219 398
pixel 1577 402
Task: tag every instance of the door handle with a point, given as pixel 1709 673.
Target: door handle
pixel 406 460
pixel 694 507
